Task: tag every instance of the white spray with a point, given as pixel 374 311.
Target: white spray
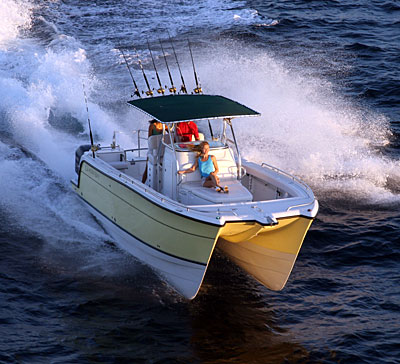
pixel 305 128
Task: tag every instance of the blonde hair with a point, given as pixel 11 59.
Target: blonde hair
pixel 200 148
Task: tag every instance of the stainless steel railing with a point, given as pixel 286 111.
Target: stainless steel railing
pixel 294 178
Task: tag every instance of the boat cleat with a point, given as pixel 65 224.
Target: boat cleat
pixel 262 217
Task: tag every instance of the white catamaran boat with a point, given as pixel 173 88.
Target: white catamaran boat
pixel 173 223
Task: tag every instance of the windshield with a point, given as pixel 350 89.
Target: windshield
pixel 212 130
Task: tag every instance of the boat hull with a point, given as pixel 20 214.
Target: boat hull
pixel 178 247
pixel 268 253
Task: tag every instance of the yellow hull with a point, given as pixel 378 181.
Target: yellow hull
pixel 180 247
pixel 176 246
pixel 268 253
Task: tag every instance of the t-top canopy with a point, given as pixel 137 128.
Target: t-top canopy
pixel 176 108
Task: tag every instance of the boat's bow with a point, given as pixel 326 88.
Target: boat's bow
pixel 268 244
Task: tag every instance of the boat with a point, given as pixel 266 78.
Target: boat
pixel 173 223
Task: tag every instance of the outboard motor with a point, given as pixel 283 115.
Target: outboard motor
pixel 78 154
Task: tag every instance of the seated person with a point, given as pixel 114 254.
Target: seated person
pixel 208 167
pixel 185 130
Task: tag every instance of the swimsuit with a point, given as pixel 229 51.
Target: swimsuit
pixel 206 167
pixel 155 131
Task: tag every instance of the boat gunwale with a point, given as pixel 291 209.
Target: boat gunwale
pixel 194 209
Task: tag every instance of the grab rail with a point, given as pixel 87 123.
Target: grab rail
pixel 286 174
pixel 139 138
pixel 300 205
pixel 133 150
pixel 239 157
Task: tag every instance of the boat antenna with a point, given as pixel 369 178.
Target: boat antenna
pixel 198 89
pixel 137 93
pixel 92 147
pixel 148 92
pixel 172 89
pixel 160 90
pixel 183 86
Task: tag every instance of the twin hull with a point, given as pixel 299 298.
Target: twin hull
pixel 178 242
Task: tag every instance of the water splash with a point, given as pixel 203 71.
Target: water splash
pixel 15 16
pixel 41 86
pixel 306 127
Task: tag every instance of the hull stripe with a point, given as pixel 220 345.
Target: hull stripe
pixel 149 216
pixel 143 242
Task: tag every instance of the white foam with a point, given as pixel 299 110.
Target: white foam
pixel 15 15
pixel 35 81
pixel 306 128
pixel 205 14
pixel 35 196
pixel 53 80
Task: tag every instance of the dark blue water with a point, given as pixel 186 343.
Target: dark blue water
pixel 325 76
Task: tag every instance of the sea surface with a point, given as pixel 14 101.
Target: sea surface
pixel 326 77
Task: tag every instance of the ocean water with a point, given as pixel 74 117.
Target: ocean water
pixel 325 76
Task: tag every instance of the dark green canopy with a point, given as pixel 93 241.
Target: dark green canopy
pixel 176 108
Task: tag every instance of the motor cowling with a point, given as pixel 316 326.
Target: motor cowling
pixel 78 155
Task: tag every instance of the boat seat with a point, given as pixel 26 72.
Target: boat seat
pixel 153 143
pixel 200 194
pixel 227 170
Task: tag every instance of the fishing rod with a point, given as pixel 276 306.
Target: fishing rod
pixel 137 93
pixel 183 86
pixel 211 131
pixel 148 92
pixel 90 128
pixel 172 88
pixel 198 89
pixel 160 90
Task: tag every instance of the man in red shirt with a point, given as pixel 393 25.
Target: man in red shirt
pixel 185 130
